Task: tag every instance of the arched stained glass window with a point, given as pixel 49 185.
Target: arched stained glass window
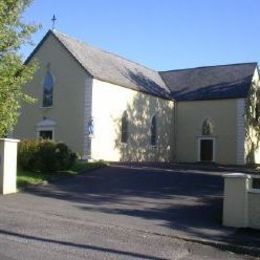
pixel 48 85
pixel 124 128
pixel 153 131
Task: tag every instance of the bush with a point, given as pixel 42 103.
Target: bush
pixel 27 153
pixel 44 156
pixel 65 158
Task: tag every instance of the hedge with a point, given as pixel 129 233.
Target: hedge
pixel 44 156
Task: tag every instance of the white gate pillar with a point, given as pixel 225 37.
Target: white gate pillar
pixel 8 165
pixel 235 208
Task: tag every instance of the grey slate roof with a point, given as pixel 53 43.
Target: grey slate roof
pixel 114 69
pixel 215 82
pixel 203 83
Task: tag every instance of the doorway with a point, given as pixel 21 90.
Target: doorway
pixel 206 150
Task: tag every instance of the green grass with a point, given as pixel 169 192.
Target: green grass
pixel 27 178
pixel 82 165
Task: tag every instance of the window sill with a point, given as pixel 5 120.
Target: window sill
pixel 41 107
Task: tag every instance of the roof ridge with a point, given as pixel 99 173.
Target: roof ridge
pixel 104 51
pixel 142 78
pixel 210 66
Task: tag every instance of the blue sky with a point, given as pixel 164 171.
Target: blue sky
pixel 161 34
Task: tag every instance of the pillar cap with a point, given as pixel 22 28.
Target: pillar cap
pixel 236 175
pixel 10 140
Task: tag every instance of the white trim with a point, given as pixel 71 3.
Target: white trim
pixel 86 153
pixel 42 107
pixel 10 140
pixel 199 149
pixel 240 134
pixel 255 191
pixel 46 125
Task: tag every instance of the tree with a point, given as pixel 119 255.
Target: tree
pixel 14 74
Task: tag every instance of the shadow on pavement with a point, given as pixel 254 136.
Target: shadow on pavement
pixel 81 246
pixel 185 201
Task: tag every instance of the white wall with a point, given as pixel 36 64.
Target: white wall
pixel 108 105
pixel 241 202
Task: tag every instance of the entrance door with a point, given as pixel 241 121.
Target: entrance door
pixel 206 150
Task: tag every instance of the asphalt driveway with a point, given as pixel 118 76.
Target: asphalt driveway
pixel 125 204
pixel 161 200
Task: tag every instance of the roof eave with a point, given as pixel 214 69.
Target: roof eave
pixel 28 59
pixel 50 32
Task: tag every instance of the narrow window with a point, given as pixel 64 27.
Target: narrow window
pixel 48 90
pixel 46 134
pixel 124 128
pixel 153 130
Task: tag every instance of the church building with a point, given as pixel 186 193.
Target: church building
pixel 106 107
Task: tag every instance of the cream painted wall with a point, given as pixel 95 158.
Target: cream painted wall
pixel 252 126
pixel 75 91
pixel 68 97
pixel 109 103
pixel 189 118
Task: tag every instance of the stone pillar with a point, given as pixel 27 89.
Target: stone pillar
pixel 235 208
pixel 8 165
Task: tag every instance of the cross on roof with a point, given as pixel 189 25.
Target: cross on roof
pixel 53 21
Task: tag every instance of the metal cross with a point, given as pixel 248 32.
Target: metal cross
pixel 53 21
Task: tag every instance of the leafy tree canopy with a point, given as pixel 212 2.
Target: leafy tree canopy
pixel 14 74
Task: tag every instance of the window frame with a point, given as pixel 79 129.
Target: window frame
pixel 124 128
pixel 48 73
pixel 46 130
pixel 46 125
pixel 154 132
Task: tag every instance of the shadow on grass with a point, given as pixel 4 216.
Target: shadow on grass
pixel 26 179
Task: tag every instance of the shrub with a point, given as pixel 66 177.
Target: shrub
pixel 27 153
pixel 65 157
pixel 44 156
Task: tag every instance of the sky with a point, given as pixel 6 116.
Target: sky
pixel 160 34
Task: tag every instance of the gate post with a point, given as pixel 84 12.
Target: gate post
pixel 235 207
pixel 8 165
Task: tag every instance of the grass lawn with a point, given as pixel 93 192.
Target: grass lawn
pixel 26 178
